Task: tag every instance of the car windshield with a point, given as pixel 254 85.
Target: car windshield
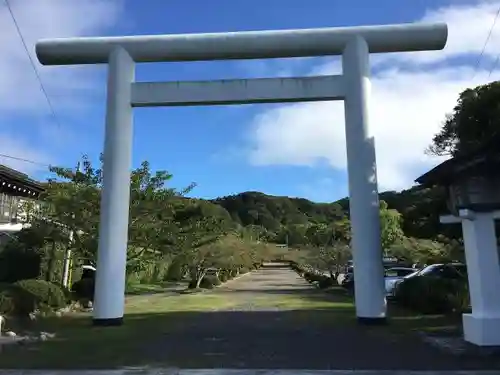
pixel 412 274
pixel 429 270
pixel 398 272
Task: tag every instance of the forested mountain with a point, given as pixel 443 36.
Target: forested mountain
pixel 473 122
pixel 271 212
pixel 419 208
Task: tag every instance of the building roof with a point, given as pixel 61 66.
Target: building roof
pixel 485 159
pixel 18 183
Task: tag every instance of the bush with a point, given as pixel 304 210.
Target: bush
pixel 433 295
pixel 45 292
pixel 83 289
pixel 6 303
pixel 208 282
pixel 26 296
pixel 12 257
pixel 223 276
pixel 314 277
pixel 326 282
pixel 244 270
pixel 233 273
pixel 175 272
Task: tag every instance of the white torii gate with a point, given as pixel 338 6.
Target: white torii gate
pixel 353 86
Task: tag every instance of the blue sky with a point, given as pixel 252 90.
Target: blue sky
pixel 294 150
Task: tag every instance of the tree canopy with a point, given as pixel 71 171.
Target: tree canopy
pixel 474 120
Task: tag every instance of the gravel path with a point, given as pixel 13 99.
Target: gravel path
pixel 260 332
pixel 261 290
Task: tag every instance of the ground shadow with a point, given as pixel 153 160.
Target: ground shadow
pixel 294 339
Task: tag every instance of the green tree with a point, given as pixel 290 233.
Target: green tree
pixel 390 226
pixel 72 201
pixel 334 257
pixel 423 251
pixel 474 120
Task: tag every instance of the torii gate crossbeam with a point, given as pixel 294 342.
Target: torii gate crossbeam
pixel 353 86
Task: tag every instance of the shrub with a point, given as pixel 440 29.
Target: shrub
pixel 175 272
pixel 83 289
pixel 233 273
pixel 26 296
pixel 244 270
pixel 68 294
pixel 314 277
pixel 45 292
pixel 326 282
pixel 223 276
pixel 208 282
pixel 433 295
pixel 12 257
pixel 6 303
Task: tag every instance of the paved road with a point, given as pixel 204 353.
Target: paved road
pixel 261 332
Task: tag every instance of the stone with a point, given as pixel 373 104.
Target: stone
pixel 48 335
pixel 10 334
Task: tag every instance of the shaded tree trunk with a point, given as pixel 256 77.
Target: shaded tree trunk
pixel 51 262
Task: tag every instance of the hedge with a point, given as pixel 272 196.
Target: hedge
pixel 208 282
pixel 11 256
pixel 26 296
pixel 433 295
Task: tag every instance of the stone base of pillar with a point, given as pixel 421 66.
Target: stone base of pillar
pixel 481 331
pixel 372 321
pixel 109 322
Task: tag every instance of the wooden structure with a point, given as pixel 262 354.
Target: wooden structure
pixel 472 181
pixel 14 187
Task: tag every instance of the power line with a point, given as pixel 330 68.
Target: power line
pixel 33 65
pixel 486 43
pixel 40 82
pixel 24 160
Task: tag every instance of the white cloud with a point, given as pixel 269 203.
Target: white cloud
pixel 69 88
pixel 468 28
pixel 409 102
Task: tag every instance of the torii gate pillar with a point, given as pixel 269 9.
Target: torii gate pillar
pixel 353 43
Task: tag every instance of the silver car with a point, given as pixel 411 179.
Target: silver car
pixel 393 275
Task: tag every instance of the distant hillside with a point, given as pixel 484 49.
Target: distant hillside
pixel 420 208
pixel 272 212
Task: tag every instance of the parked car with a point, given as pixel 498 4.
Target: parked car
pixel 393 275
pixel 88 272
pixel 444 270
pixel 348 279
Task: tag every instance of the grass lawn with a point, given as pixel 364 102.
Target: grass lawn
pixel 403 320
pixel 152 317
pixel 167 286
pixel 149 317
pixel 78 344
